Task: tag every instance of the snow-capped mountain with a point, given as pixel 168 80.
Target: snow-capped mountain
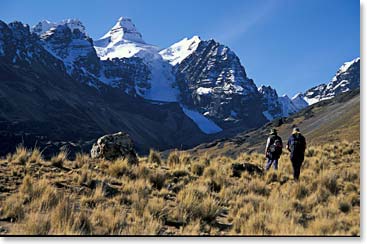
pixel 59 84
pixel 69 42
pixel 203 79
pixel 347 78
pixel 19 47
pixel 212 80
pixel 41 103
pixel 45 25
pixel 221 84
pixel 74 48
pixel 124 41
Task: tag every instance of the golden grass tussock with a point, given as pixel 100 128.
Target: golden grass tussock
pixel 182 194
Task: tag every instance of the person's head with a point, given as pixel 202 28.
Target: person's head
pixel 273 132
pixel 296 130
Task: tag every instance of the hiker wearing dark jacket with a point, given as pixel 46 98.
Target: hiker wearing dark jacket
pixel 273 149
pixel 296 146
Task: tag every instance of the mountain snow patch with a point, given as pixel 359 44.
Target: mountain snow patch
pixel 205 125
pixel 176 53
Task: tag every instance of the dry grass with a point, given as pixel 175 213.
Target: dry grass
pixel 182 195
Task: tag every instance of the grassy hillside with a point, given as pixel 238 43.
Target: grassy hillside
pixel 183 195
pixel 325 122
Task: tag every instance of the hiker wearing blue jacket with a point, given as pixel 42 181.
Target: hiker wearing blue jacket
pixel 296 146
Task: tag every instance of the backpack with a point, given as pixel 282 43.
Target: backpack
pixel 276 145
pixel 297 144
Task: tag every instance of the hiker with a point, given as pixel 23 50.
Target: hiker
pixel 273 149
pixel 296 146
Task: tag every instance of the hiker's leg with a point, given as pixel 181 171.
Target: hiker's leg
pixel 297 170
pixel 294 165
pixel 276 163
pixel 268 164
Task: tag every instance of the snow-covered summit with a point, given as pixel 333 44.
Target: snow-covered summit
pixel 45 25
pixel 123 30
pixel 347 78
pixel 176 53
pixel 345 67
pixel 124 41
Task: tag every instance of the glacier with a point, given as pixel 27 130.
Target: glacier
pixel 205 125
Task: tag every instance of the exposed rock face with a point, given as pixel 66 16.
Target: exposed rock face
pixel 115 146
pixel 76 50
pixel 212 80
pixel 271 104
pixel 346 79
pixel 288 107
pixel 299 101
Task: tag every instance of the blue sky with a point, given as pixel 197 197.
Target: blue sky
pixel 291 45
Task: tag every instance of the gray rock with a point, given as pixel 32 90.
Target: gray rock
pixel 115 146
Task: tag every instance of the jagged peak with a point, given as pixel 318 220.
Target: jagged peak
pixel 46 25
pixel 347 65
pixel 264 87
pixel 124 29
pixel 267 90
pixel 19 29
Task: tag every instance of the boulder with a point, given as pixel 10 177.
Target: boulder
pixel 111 147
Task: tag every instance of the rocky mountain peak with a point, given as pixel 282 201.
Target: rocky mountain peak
pixel 347 65
pixel 20 30
pixel 267 91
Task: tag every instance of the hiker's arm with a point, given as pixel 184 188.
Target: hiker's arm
pixel 267 145
pixel 289 142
